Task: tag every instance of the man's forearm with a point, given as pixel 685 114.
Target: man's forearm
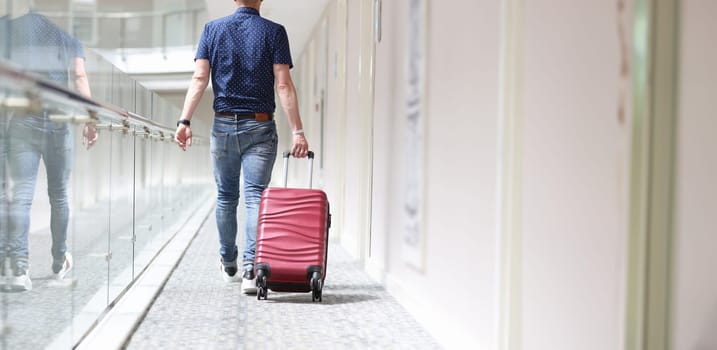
pixel 194 95
pixel 82 84
pixel 290 104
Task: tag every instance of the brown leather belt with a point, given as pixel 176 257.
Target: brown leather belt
pixel 261 116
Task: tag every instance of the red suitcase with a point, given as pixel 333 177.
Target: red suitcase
pixel 292 238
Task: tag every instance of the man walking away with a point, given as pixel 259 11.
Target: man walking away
pixel 246 56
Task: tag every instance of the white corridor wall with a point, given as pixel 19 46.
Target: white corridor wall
pixel 694 306
pixel 573 184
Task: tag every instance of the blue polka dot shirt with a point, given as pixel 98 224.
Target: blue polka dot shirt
pixel 242 50
pixel 40 46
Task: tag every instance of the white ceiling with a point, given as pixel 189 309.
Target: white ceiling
pixel 299 17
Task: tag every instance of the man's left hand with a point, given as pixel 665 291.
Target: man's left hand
pixel 301 147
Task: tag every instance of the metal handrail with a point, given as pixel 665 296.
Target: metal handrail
pixel 35 91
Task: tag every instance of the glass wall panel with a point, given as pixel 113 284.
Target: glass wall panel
pixel 121 188
pixel 121 211
pixel 100 74
pixel 92 203
pixel 37 159
pixel 108 203
pixel 109 25
pixel 126 195
pixel 146 224
pixel 159 153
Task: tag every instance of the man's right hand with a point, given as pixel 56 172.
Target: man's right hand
pixel 89 135
pixel 183 136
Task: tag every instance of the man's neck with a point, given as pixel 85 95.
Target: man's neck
pixel 255 6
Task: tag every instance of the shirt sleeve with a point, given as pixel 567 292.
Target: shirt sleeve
pixel 282 51
pixel 203 46
pixel 78 51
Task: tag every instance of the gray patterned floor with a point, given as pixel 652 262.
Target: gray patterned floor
pixel 197 310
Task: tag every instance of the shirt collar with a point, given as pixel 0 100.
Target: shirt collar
pixel 247 10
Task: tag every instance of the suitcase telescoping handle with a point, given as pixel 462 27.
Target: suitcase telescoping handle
pixel 287 155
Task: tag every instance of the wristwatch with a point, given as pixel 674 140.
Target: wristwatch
pixel 183 121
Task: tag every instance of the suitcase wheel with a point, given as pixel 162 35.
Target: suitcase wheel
pixel 316 287
pixel 262 290
pixel 316 295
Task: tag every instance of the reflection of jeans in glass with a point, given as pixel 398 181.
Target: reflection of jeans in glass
pixel 247 144
pixel 31 139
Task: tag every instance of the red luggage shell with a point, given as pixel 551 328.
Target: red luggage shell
pixel 292 237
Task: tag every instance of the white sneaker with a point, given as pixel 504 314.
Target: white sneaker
pixel 21 282
pixel 230 274
pixel 248 286
pixel 60 271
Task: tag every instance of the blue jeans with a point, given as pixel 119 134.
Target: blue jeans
pixel 237 144
pixel 31 139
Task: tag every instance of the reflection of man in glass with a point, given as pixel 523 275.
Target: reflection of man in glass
pixel 38 45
